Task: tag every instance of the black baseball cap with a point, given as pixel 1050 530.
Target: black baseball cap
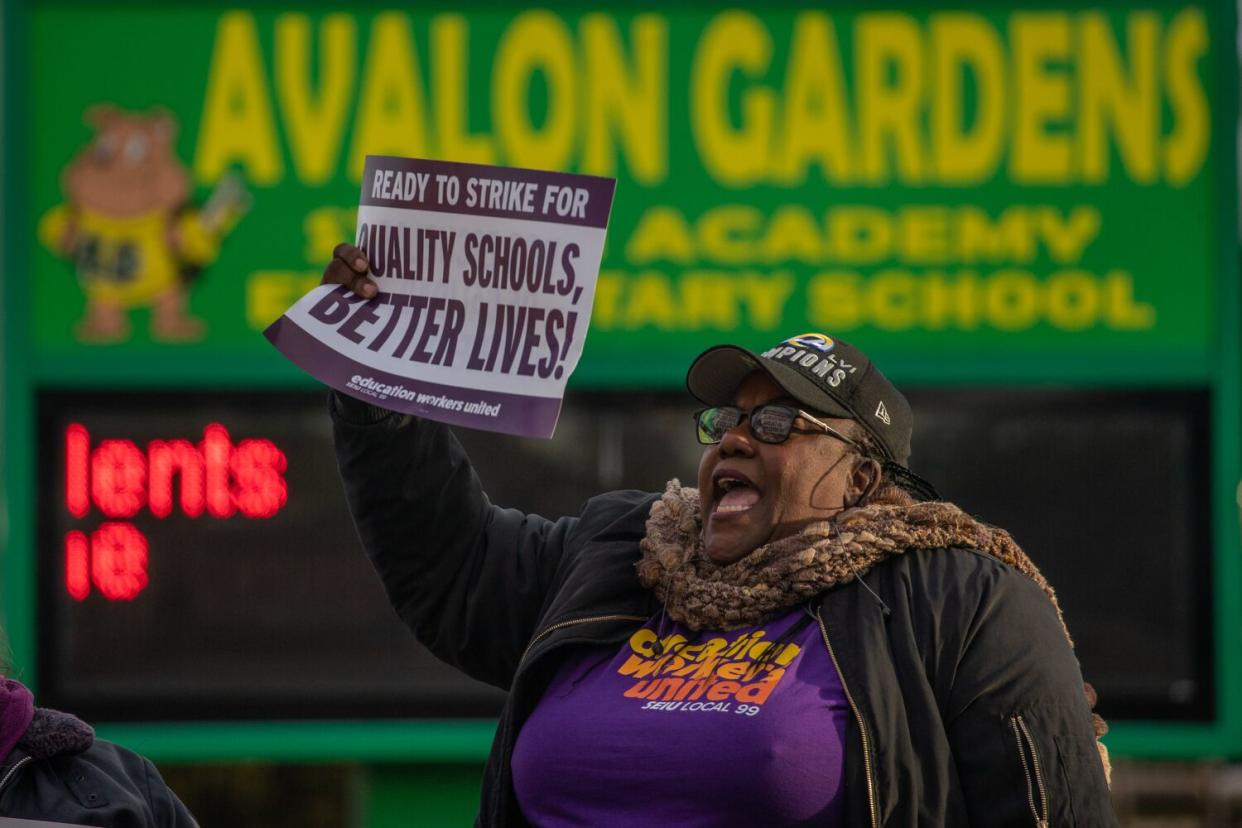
pixel 823 373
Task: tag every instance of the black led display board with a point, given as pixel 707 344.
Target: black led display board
pixel 197 560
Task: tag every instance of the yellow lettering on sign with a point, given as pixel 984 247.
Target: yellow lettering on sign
pixel 662 233
pixel 816 128
pixel 705 300
pixel 1186 147
pixel 734 41
pixel 1056 97
pixel 892 300
pixel 860 234
pixel 1007 300
pixel 315 122
pixel 726 233
pixel 924 234
pixel 695 300
pixel 237 123
pixel 1066 238
pixel 1121 310
pixel 1109 103
pixel 916 234
pixel 535 41
pixel 324 228
pixel 392 115
pixel 649 303
pixel 269 293
pixel 966 45
pixel 833 301
pixel 628 103
pixel 889 43
pixel 451 78
pixel 1008 238
pixel 1041 107
pixel 608 286
pixel 1073 300
pixel 792 235
pixel 1010 300
pixel 949 302
pixel 764 298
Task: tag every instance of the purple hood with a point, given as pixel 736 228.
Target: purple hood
pixel 16 711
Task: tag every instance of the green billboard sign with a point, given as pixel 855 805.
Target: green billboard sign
pixel 1031 183
pixel 981 194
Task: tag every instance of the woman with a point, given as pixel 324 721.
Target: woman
pixel 805 639
pixel 53 768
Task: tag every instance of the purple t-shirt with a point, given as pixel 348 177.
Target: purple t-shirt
pixel 740 728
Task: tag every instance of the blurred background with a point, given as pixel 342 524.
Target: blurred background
pixel 1027 218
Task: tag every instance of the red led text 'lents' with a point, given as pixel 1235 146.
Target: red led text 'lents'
pixel 120 479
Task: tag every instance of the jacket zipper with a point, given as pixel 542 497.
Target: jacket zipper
pixel 560 625
pixel 1023 737
pixel 862 727
pixel 8 776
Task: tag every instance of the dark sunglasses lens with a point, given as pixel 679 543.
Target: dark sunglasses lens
pixel 714 423
pixel 771 423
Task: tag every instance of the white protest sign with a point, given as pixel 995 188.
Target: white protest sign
pixel 486 278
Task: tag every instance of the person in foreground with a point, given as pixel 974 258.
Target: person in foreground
pixel 806 638
pixel 53 768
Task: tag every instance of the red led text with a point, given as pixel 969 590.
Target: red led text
pixel 213 477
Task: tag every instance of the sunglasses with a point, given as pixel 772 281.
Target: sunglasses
pixel 772 423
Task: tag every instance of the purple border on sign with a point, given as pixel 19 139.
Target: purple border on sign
pixel 599 190
pixel 522 415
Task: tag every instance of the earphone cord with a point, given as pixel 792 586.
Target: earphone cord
pixel 657 648
pixel 883 606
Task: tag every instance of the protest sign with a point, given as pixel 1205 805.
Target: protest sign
pixel 486 278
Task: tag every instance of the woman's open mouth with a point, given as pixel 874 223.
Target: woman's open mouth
pixel 732 493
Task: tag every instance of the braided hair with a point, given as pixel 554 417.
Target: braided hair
pixel 898 485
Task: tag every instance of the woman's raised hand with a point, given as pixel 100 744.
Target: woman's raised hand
pixel 349 268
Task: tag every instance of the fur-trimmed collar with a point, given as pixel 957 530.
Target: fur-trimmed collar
pixel 52 733
pixel 781 574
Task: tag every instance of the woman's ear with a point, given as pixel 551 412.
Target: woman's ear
pixel 863 482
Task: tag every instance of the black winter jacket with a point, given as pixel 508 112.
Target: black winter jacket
pixel 968 706
pixel 60 772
